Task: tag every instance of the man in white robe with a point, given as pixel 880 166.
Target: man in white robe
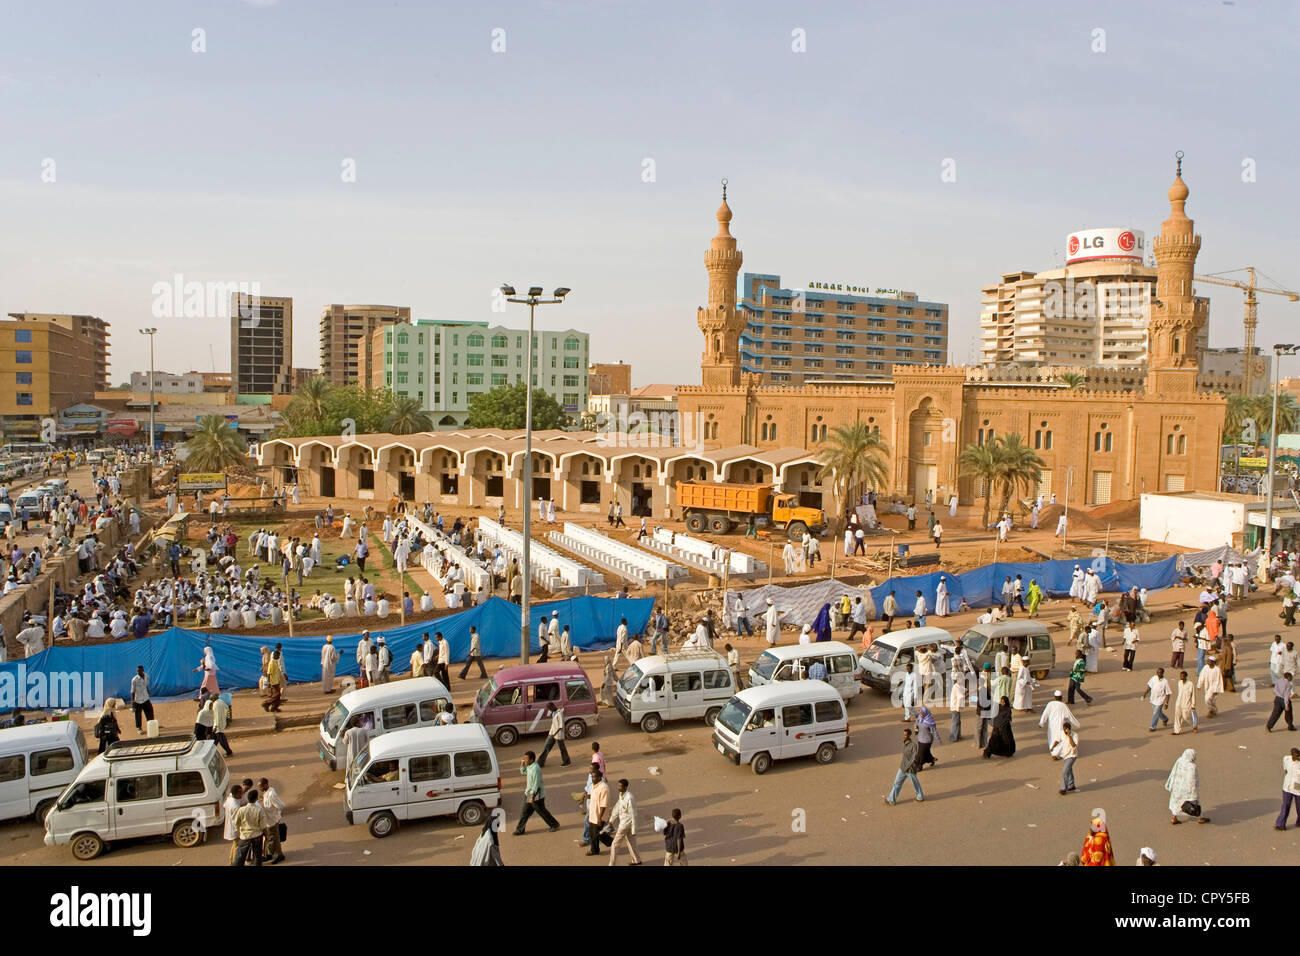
pixel 1060 529
pixel 952 507
pixel 329 657
pixel 1024 694
pixel 772 622
pixel 941 606
pixel 1055 714
pixel 1076 583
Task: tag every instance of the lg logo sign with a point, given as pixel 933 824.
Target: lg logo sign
pixel 1126 241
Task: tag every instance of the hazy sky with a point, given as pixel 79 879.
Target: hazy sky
pixel 475 167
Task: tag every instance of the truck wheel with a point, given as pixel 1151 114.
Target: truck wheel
pixel 575 729
pixel 711 715
pixel 471 814
pixel 507 735
pixel 826 752
pixel 42 809
pixel 761 763
pixel 695 522
pixel 651 723
pixel 719 524
pixel 795 530
pixel 382 824
pixel 87 846
pixel 185 834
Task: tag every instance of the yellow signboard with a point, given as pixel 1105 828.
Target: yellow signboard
pixel 202 482
pixel 1254 462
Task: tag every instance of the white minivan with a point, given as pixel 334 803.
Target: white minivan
pixel 781 720
pixel 791 662
pixel 424 772
pixel 37 762
pixel 150 787
pixel 415 702
pixel 684 685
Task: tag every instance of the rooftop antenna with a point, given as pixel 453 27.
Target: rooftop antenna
pixel 724 188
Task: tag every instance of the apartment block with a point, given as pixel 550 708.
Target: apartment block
pixel 90 327
pixel 609 378
pixel 443 364
pixel 165 383
pixel 832 332
pixel 346 335
pixel 45 367
pixel 261 344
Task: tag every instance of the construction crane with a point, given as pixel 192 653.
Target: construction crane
pixel 1250 287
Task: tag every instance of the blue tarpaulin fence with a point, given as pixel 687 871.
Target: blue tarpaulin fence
pixel 170 657
pixel 982 587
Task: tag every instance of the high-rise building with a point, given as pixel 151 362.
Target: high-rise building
pixel 89 327
pixel 346 332
pixel 45 366
pixel 444 364
pixel 1092 312
pixel 836 332
pixel 261 344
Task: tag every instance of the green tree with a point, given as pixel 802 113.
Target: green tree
pixel 854 456
pixel 1072 379
pixel 980 462
pixel 1018 467
pixel 215 446
pixel 1242 409
pixel 406 417
pixel 504 407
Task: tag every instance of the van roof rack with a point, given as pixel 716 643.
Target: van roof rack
pixel 690 653
pixel 172 746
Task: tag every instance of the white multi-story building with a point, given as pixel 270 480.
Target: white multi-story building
pixel 165 383
pixel 1094 311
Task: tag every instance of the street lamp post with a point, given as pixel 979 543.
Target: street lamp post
pixel 533 299
pixel 151 333
pixel 1278 352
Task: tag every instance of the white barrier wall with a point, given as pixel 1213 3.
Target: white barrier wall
pixel 544 559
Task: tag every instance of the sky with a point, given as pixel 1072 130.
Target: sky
pixel 423 153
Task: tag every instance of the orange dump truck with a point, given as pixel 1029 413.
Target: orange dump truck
pixel 718 507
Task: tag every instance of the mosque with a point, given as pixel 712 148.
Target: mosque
pixel 1097 446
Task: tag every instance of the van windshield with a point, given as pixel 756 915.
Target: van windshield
pixel 358 764
pixel 765 665
pixel 631 677
pixel 880 653
pixel 485 693
pixel 334 720
pixel 734 715
pixel 974 641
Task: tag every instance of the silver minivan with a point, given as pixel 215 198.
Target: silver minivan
pixel 984 641
pixel 889 654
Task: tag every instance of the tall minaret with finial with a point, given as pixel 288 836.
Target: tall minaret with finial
pixel 1177 316
pixel 720 321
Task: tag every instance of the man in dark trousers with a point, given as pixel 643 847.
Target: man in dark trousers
pixel 908 766
pixel 140 701
pixel 555 736
pixel 475 656
pixel 1282 694
pixel 534 795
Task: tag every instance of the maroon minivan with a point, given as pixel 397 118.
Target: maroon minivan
pixel 515 701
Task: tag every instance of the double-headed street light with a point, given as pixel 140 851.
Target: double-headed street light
pixel 533 299
pixel 151 333
pixel 1278 352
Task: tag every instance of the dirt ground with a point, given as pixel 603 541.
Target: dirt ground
pixel 976 811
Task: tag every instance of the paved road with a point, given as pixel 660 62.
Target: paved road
pixel 977 811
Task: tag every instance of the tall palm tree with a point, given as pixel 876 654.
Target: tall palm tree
pixel 1019 467
pixel 853 456
pixel 215 446
pixel 406 417
pixel 1072 379
pixel 1240 409
pixel 308 410
pixel 981 463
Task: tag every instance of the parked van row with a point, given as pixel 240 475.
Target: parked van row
pixel 886 658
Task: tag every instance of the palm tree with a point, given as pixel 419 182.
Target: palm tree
pixel 980 462
pixel 1072 379
pixel 1287 412
pixel 854 456
pixel 1018 467
pixel 406 417
pixel 1242 408
pixel 215 446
